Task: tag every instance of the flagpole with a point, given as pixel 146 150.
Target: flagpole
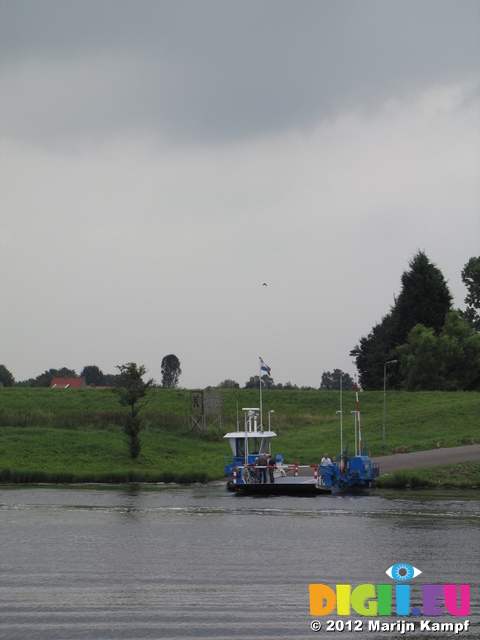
pixel 260 377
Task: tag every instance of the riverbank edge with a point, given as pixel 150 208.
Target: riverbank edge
pixel 463 476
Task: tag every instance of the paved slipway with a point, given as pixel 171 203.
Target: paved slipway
pixel 431 458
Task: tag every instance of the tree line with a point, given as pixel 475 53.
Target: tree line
pixel 171 371
pixel 427 345
pixel 330 381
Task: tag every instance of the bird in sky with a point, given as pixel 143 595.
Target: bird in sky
pixel 264 284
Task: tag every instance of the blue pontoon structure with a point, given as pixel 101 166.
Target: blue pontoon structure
pixel 350 475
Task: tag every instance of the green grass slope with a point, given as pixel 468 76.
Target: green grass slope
pixel 70 435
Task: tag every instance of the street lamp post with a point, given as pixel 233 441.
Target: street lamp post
pixel 270 440
pixel 385 395
pixel 341 415
pixel 341 431
pixel 271 411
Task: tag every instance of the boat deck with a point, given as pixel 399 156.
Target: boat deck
pixel 289 484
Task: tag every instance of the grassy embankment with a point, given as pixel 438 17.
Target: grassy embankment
pixel 76 435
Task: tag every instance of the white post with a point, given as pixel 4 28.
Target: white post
pixel 246 443
pixel 271 411
pixel 341 415
pixel 261 411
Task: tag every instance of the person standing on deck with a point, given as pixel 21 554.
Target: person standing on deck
pixel 262 466
pixel 271 468
pixel 326 460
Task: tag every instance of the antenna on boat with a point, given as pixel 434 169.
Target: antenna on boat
pixel 251 414
pixel 266 368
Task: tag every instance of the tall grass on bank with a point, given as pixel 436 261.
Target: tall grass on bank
pixel 43 454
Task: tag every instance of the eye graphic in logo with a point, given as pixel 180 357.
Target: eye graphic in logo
pixel 402 572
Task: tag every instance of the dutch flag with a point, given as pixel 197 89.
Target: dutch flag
pixel 264 367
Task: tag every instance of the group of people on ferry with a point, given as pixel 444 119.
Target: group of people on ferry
pixel 265 463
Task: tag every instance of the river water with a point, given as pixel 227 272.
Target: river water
pixel 159 562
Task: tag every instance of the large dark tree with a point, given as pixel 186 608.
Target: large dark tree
pixel 171 371
pixel 424 299
pixel 130 390
pixel 372 353
pixel 471 279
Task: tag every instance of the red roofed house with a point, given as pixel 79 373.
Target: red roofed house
pixel 68 383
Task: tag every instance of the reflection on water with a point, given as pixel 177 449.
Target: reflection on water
pixel 198 562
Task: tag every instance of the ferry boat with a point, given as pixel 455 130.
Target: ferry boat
pixel 249 471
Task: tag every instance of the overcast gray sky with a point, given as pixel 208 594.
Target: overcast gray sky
pixel 161 160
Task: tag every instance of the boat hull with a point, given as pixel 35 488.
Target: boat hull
pixel 301 486
pixel 295 489
pixel 285 486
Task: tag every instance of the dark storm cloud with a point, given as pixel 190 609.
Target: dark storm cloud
pixel 217 69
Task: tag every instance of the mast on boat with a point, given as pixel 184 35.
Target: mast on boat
pixel 266 368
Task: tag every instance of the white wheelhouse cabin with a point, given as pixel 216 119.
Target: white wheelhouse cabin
pixel 247 446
